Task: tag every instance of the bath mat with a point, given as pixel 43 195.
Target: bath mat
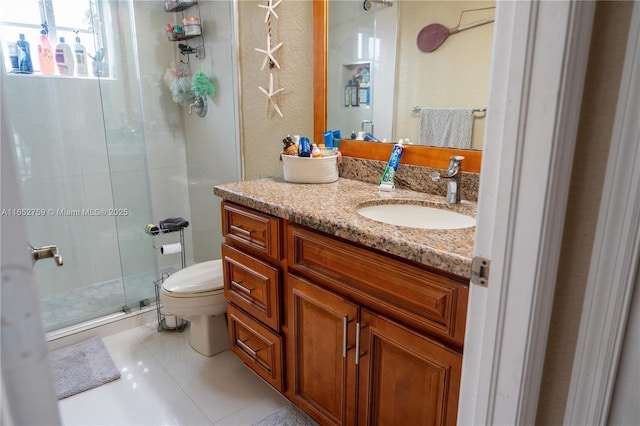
pixel 81 367
pixel 289 415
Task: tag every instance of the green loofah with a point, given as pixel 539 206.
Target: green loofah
pixel 202 86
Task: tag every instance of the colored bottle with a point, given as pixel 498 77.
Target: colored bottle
pixel 348 92
pixel 25 66
pixel 386 182
pixel 45 52
pixel 64 58
pixel 80 57
pixel 13 55
pixel 305 147
pixel 355 87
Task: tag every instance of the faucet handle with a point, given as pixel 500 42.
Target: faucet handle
pixel 455 164
pixel 435 176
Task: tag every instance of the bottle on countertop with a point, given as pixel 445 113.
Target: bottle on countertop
pixel 80 57
pixel 64 58
pixel 305 147
pixel 25 66
pixel 45 52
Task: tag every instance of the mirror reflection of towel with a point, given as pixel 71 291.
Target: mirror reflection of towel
pixel 446 127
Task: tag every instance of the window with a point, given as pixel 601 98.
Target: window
pixel 66 19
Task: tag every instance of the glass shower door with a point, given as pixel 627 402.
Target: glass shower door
pixel 79 148
pixel 63 168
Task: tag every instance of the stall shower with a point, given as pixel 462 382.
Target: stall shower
pixel 101 157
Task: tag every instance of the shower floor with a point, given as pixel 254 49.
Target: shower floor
pixel 82 304
pixel 71 307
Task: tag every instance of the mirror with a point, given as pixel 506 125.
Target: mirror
pixel 402 77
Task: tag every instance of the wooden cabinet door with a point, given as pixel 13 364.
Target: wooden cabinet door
pixel 405 378
pixel 320 355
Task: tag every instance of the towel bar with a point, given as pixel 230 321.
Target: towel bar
pixel 416 109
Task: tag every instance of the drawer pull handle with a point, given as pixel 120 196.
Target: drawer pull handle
pixel 239 286
pixel 241 230
pixel 246 347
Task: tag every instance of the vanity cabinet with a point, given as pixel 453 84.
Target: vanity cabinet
pixel 252 264
pixel 370 339
pixel 351 335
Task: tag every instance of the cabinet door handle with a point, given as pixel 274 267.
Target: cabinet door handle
pixel 357 343
pixel 241 230
pixel 246 347
pixel 345 322
pixel 358 353
pixel 239 286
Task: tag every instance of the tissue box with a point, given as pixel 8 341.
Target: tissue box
pixel 311 170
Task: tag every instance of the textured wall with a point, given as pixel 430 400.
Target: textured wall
pixel 606 60
pixel 262 128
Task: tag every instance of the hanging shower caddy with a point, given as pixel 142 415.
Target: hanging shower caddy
pixel 190 28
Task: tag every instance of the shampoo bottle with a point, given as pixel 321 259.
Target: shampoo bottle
pixel 80 56
pixel 45 52
pixel 386 182
pixel 25 66
pixel 64 58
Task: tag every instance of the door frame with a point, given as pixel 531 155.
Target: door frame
pixel 537 78
pixel 614 260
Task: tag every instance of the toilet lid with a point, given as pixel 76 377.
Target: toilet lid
pixel 198 278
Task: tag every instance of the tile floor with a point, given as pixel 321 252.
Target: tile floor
pixel 165 382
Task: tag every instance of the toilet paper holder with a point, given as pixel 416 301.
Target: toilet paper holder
pixel 167 249
pixel 166 321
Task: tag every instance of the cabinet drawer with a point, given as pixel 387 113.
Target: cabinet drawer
pixel 253 285
pixel 255 231
pixel 422 299
pixel 259 347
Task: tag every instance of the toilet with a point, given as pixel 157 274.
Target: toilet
pixel 196 293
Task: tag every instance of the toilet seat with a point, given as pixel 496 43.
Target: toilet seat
pixel 195 290
pixel 204 277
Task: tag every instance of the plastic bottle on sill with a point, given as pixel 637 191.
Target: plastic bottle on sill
pixel 25 66
pixel 64 58
pixel 80 57
pixel 13 55
pixel 45 52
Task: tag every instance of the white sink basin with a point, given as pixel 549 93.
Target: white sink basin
pixel 417 216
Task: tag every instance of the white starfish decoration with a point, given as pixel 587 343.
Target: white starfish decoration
pixel 269 53
pixel 270 94
pixel 271 9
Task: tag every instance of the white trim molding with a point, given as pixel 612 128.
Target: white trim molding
pixel 540 60
pixel 615 257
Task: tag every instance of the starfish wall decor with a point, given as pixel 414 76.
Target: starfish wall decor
pixel 269 55
pixel 271 93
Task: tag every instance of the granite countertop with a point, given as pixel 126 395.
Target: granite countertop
pixel 331 208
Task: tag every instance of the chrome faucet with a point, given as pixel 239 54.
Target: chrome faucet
pixel 452 178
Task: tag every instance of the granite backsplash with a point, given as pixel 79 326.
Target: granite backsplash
pixel 411 177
